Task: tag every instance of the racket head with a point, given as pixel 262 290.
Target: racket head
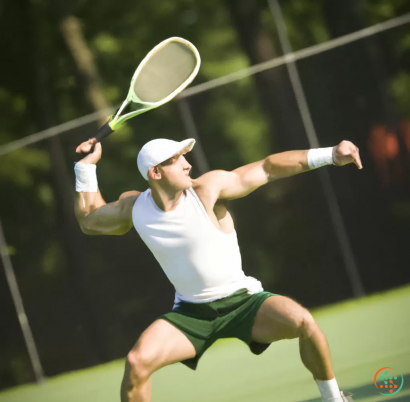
pixel 165 72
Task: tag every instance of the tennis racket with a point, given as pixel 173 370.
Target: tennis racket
pixel 165 71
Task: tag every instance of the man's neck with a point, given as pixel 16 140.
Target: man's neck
pixel 166 200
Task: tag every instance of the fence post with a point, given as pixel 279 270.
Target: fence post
pixel 191 131
pixel 336 216
pixel 21 314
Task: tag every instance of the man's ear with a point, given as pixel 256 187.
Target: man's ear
pixel 154 173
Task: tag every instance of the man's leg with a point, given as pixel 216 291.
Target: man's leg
pixel 160 344
pixel 279 318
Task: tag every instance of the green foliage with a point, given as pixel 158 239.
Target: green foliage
pixel 399 85
pixel 380 10
pixel 305 23
pixel 20 167
pixel 65 275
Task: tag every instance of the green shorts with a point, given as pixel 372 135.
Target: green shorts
pixel 230 317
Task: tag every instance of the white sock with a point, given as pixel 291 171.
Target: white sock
pixel 329 390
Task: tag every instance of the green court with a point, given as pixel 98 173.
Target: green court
pixel 364 336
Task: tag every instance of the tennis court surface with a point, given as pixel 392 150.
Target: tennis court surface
pixel 364 336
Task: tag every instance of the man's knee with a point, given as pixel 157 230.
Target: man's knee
pixel 306 324
pixel 140 365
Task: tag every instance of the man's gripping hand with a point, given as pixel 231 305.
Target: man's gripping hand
pixel 94 215
pixel 93 157
pixel 346 152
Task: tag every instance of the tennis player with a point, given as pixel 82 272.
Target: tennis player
pixel 187 226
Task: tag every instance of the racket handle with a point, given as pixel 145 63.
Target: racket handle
pixel 103 132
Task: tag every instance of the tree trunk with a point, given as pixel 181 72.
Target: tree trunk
pixel 84 61
pixel 361 97
pixel 344 17
pixel 62 185
pixel 82 56
pixel 273 86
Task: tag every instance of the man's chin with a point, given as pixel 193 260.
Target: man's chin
pixel 182 186
pixel 189 185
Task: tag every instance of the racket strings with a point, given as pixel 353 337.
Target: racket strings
pixel 164 72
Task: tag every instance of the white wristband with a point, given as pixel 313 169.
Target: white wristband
pixel 318 157
pixel 86 178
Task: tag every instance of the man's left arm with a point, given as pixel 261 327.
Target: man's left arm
pixel 242 181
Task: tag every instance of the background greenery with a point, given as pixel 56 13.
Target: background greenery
pixel 87 297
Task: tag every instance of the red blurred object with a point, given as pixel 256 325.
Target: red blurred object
pixel 384 145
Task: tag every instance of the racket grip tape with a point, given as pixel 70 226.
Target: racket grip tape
pixel 103 132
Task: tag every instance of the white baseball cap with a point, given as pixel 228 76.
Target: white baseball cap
pixel 156 151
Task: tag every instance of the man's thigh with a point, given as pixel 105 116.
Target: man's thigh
pixel 278 318
pixel 162 344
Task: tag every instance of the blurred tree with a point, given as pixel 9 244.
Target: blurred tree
pixel 44 115
pixel 74 285
pixel 274 89
pixel 359 75
pixel 82 56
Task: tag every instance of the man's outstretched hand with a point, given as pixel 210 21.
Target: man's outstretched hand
pixel 346 152
pixel 85 147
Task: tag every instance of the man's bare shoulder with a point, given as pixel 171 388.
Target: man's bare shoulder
pixel 127 200
pixel 208 186
pixel 211 180
pixel 132 193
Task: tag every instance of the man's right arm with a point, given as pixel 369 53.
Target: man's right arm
pixel 93 214
pixel 114 218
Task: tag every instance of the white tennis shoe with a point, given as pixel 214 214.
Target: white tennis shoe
pixel 346 397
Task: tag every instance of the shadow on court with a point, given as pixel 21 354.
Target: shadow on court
pixel 370 390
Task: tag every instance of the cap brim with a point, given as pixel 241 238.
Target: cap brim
pixel 187 144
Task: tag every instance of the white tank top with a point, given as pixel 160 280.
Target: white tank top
pixel 202 262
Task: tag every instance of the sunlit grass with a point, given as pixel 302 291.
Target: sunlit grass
pixel 364 336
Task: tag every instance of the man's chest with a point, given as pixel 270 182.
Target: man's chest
pixel 217 211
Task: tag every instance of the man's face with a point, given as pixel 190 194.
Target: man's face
pixel 175 173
